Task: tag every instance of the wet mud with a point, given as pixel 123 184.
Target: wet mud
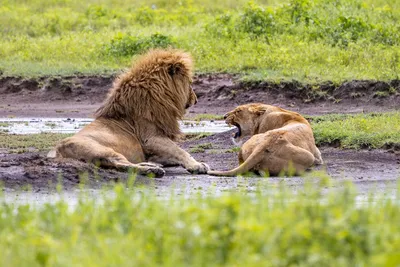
pixel 41 173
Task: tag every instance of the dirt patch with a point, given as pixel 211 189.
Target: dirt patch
pixel 224 92
pixel 18 170
pixel 80 96
pixel 48 89
pixel 69 96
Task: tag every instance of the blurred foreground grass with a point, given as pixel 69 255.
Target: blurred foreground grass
pixel 276 227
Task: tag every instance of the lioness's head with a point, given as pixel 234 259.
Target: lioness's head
pixel 245 118
pixel 156 89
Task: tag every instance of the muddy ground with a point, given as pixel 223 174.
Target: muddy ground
pixel 369 170
pixel 80 96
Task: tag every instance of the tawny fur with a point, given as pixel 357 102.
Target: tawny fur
pixel 282 141
pixel 138 121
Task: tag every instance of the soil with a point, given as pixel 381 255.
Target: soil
pixel 80 96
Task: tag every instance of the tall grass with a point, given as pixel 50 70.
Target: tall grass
pixel 295 39
pixel 135 228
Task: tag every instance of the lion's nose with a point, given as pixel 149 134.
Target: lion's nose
pixel 225 116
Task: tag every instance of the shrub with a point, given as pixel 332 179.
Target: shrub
pixel 144 16
pixel 348 29
pixel 257 21
pixel 127 45
pixel 299 11
pixel 222 26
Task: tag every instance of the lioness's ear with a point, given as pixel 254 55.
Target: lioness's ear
pixel 257 110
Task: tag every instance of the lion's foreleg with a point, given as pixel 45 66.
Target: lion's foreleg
pixel 92 151
pixel 166 152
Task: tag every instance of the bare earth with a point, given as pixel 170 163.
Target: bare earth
pixel 80 96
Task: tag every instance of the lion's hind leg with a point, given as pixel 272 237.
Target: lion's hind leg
pixel 91 151
pixel 318 157
pixel 299 161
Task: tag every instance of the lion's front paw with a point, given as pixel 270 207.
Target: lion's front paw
pixel 199 168
pixel 156 171
pixel 149 164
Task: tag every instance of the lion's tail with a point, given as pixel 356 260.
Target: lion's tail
pixel 247 165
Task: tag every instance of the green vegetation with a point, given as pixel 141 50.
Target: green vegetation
pixel 201 148
pixel 273 227
pixel 207 117
pixel 309 41
pixel 22 142
pixel 51 124
pixel 235 149
pixel 373 130
pixel 196 136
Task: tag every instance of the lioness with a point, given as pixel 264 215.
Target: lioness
pixel 282 141
pixel 139 119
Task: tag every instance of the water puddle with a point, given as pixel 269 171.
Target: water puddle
pixel 193 187
pixel 67 125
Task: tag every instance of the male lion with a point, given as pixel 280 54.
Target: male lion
pixel 139 119
pixel 282 141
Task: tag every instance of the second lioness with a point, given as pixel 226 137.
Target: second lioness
pixel 282 141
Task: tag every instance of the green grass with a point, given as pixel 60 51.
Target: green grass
pixel 235 149
pixel 18 143
pixel 373 130
pixel 196 136
pixel 206 116
pixel 310 41
pixel 51 124
pixel 272 227
pixel 201 148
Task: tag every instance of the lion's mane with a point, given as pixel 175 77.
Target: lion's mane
pixel 153 89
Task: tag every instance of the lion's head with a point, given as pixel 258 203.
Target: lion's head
pixel 157 88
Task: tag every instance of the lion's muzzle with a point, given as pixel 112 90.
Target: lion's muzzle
pixel 192 99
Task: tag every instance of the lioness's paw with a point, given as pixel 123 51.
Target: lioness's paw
pixel 199 168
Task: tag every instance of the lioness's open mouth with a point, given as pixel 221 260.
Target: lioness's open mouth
pixel 239 132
